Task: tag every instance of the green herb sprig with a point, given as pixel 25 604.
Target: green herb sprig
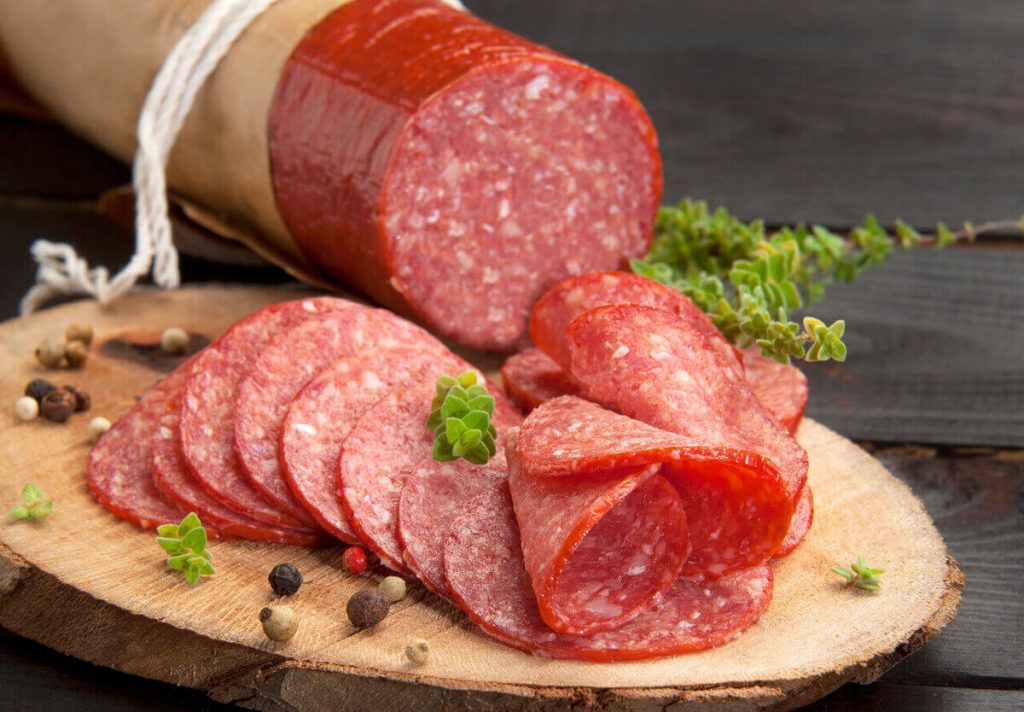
pixel 34 503
pixel 186 544
pixel 460 420
pixel 861 575
pixel 750 280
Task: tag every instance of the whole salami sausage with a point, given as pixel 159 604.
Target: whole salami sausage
pixel 738 508
pixel 437 158
pixel 484 567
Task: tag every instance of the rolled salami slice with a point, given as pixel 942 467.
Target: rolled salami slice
pixel 781 388
pixel 738 508
pixel 488 578
pixel 119 471
pixel 427 158
pixel 801 524
pixel 391 442
pixel 285 366
pixel 325 411
pixel 208 405
pixel 658 368
pixel 553 313
pixel 172 478
pixel 531 377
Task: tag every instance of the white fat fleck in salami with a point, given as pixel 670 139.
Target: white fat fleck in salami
pixel 321 416
pixel 488 579
pixel 119 470
pixel 208 405
pixel 390 443
pixel 286 365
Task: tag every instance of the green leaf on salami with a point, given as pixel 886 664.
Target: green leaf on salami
pixel 460 420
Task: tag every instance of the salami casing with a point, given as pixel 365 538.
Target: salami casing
pixel 119 471
pixel 208 405
pixel 325 411
pixel 427 158
pixel 738 508
pixel 486 573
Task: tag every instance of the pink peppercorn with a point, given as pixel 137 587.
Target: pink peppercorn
pixel 353 559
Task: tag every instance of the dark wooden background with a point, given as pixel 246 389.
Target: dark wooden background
pixel 788 110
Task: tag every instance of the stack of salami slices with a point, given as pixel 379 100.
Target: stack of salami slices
pixel 631 515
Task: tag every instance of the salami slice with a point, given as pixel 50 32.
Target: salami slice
pixel 208 405
pixel 322 415
pixel 801 524
pixel 738 508
pixel 658 368
pixel 285 366
pixel 389 443
pixel 429 158
pixel 486 573
pixel 172 478
pixel 781 388
pixel 119 469
pixel 572 296
pixel 531 377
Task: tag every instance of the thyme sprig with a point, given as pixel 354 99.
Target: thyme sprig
pixel 34 503
pixel 185 543
pixel 750 280
pixel 861 575
pixel 460 420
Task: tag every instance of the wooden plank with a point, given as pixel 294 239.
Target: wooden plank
pixel 815 110
pixel 935 342
pixel 855 698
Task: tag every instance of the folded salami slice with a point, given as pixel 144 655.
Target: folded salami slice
pixel 738 508
pixel 486 573
pixel 285 366
pixel 781 388
pixel 801 524
pixel 322 415
pixel 531 377
pixel 553 312
pixel 390 443
pixel 119 468
pixel 658 368
pixel 208 405
pixel 172 478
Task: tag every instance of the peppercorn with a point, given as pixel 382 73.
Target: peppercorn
pixel 50 353
pixel 418 651
pixel 57 406
pixel 279 622
pixel 38 388
pixel 79 332
pixel 353 559
pixel 174 340
pixel 393 587
pixel 82 399
pixel 285 579
pixel 367 608
pixel 98 426
pixel 76 352
pixel 26 408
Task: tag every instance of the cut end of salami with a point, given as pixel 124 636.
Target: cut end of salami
pixel 437 158
pixel 531 377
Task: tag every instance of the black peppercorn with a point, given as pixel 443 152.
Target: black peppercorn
pixel 39 389
pixel 57 406
pixel 285 579
pixel 82 399
pixel 367 608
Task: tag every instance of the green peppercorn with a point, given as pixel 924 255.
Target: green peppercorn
pixel 393 587
pixel 50 353
pixel 79 332
pixel 77 353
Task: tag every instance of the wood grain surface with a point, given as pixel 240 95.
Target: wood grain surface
pixel 134 614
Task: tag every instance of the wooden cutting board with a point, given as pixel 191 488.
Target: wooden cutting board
pixel 97 588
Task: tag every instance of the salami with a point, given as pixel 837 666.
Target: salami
pixel 285 366
pixel 119 469
pixel 801 524
pixel 531 377
pixel 738 508
pixel 208 405
pixel 173 479
pixel 389 443
pixel 656 367
pixel 781 388
pixel 322 415
pixel 485 569
pixel 572 296
pixel 427 157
